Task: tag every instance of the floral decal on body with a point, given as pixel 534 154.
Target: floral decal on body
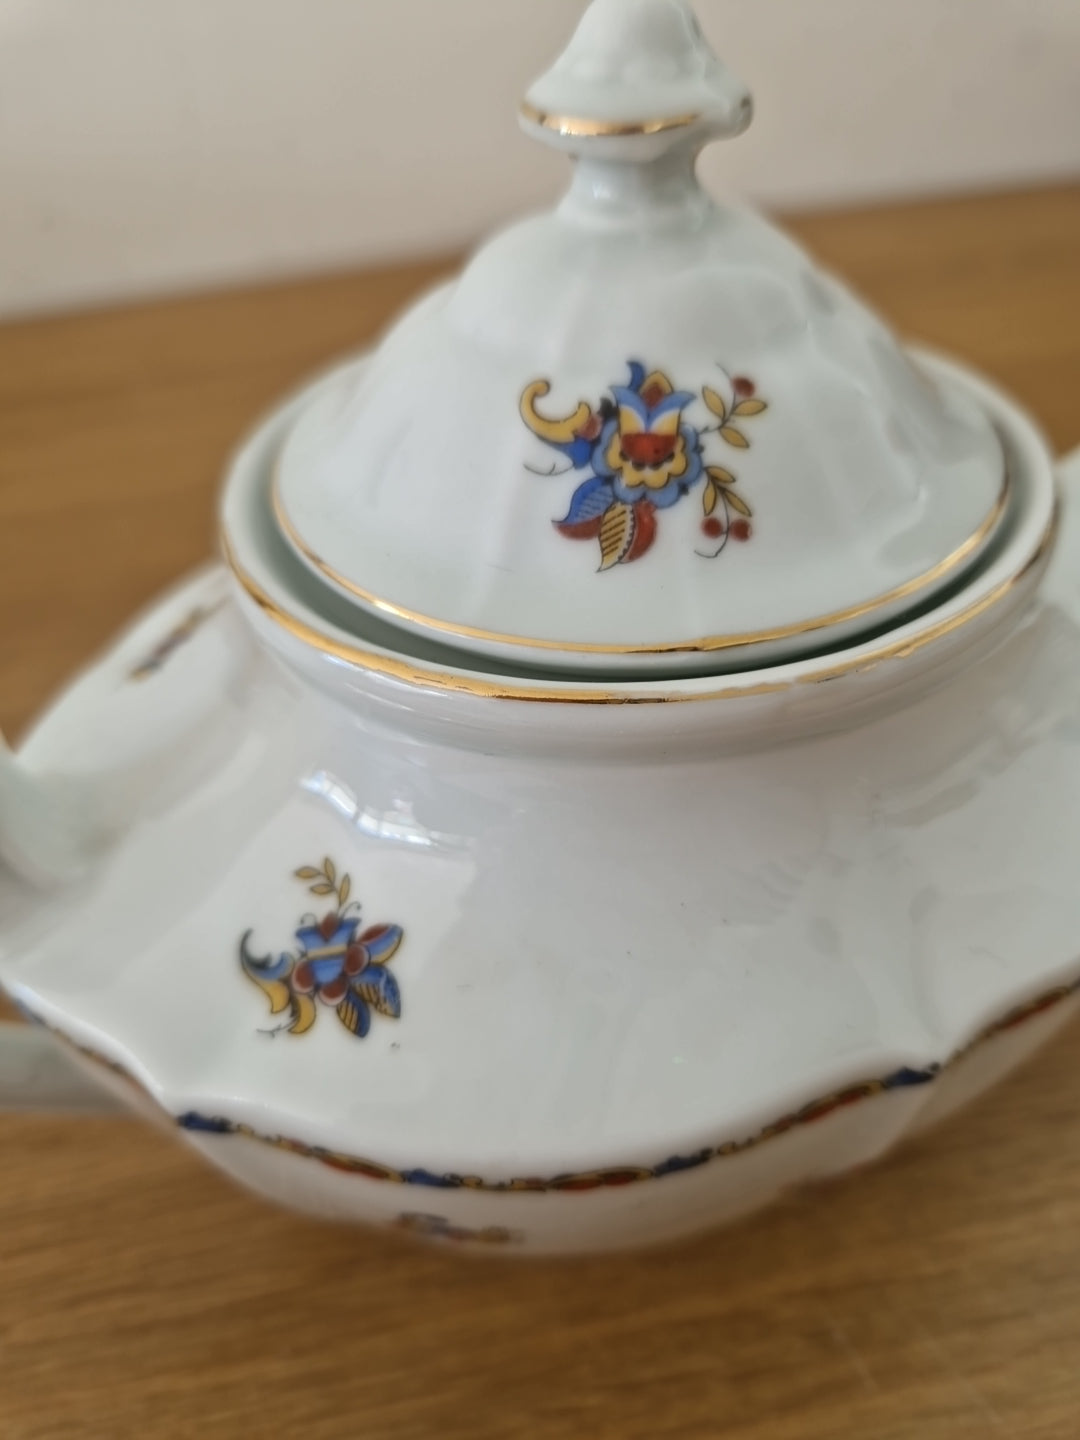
pixel 642 456
pixel 335 963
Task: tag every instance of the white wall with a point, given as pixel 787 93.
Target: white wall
pixel 162 144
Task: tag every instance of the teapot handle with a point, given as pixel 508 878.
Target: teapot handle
pixel 46 826
pixel 36 1074
pixel 58 824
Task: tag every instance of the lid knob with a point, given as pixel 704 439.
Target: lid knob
pixel 637 78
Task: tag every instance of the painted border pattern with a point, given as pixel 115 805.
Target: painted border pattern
pixel 608 1177
pixel 156 659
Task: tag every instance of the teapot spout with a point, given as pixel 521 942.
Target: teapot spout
pixel 46 824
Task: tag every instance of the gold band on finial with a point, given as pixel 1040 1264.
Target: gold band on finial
pixel 578 127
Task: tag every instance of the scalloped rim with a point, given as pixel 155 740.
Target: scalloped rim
pixel 605 1176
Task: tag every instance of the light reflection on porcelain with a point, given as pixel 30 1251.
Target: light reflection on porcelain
pixel 644 950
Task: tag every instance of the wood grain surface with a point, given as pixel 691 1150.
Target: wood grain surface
pixel 935 1296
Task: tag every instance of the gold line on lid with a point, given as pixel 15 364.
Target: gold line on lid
pixel 659 691
pixel 702 645
pixel 584 128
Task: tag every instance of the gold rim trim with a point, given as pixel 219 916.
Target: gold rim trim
pixel 413 673
pixel 704 645
pixel 577 127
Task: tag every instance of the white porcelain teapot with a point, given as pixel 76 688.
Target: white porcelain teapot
pixel 628 761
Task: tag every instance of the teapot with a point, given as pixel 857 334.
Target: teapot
pixel 625 762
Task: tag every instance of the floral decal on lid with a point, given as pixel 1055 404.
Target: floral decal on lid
pixel 643 455
pixel 335 962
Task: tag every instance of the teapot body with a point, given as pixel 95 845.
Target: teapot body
pixel 532 993
pixel 492 850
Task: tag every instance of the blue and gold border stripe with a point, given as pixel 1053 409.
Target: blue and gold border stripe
pixel 609 1177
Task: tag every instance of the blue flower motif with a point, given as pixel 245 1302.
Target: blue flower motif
pixel 622 477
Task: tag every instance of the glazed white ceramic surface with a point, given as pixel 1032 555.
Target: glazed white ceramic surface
pixel 509 473
pixel 631 988
pixel 530 949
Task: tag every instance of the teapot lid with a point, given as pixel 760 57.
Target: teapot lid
pixel 640 432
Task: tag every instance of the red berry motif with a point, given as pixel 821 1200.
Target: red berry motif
pixel 303 978
pixel 712 527
pixel 334 991
pixel 743 387
pixel 328 925
pixel 741 530
pixel 356 957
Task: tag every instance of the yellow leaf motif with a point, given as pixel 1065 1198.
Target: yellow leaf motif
pixel 303 1013
pixel 307 872
pixel 720 475
pixel 750 407
pixel 737 503
pixel 714 402
pixel 323 889
pixel 616 534
pixel 328 870
pixel 277 992
pixel 710 498
pixel 734 437
pixel 556 432
pixel 344 890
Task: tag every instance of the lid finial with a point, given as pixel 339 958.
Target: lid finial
pixel 636 70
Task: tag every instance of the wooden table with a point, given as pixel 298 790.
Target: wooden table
pixel 937 1295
